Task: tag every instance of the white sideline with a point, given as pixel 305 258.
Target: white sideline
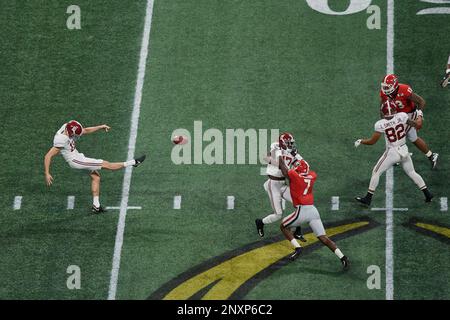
pixel 390 171
pixel 131 146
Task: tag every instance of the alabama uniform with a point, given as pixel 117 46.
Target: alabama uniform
pixel 276 186
pixel 69 152
pixel 301 189
pixel 394 131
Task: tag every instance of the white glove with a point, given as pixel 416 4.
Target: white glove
pixel 357 143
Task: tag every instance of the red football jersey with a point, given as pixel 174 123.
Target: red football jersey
pixel 301 187
pixel 401 99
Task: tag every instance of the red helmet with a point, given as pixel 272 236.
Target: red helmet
pixel 74 128
pixel 389 84
pixel 388 109
pixel 286 141
pixel 302 167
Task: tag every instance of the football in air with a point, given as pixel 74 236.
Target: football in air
pixel 179 140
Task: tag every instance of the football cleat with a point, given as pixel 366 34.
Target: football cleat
pixel 433 158
pixel 296 254
pixel 445 80
pixel 260 227
pixel 298 234
pixel 345 263
pixel 98 209
pixel 139 160
pixel 363 200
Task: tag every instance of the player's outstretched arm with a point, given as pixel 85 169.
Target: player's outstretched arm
pixel 376 135
pixel 284 169
pixel 418 100
pixel 96 128
pixel 47 161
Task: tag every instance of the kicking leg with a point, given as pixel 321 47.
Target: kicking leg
pixel 119 165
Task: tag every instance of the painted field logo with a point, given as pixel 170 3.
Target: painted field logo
pixel 233 274
pixel 236 146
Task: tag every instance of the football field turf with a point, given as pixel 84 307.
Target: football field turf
pixel 231 64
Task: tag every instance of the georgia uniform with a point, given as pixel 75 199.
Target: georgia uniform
pixel 301 188
pixel 402 100
pixel 75 159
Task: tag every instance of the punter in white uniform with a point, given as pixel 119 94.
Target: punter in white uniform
pixel 64 143
pixel 276 186
pixel 393 125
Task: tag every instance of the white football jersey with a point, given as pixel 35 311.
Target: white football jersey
pixel 65 144
pixel 275 152
pixel 394 130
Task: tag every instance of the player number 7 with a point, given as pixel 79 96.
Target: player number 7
pixel 308 182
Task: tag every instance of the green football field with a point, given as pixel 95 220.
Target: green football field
pixel 289 65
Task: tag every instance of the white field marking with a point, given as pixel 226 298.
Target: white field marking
pixel 131 147
pixel 70 202
pixel 393 209
pixel 17 202
pixel 444 203
pixel 128 208
pixel 434 11
pixel 390 171
pixel 437 1
pixel 177 202
pixel 335 203
pixel 230 202
pixel 283 204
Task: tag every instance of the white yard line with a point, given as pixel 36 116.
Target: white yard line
pixel 177 202
pixel 128 208
pixel 17 202
pixel 334 203
pixel 444 203
pixel 131 147
pixel 230 202
pixel 70 202
pixel 390 171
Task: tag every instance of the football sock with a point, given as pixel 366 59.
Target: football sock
pixel 295 243
pixel 369 195
pixel 338 253
pixel 426 192
pixel 271 218
pixel 96 201
pixel 129 163
pixel 429 154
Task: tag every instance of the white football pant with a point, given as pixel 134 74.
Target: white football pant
pixel 391 156
pixel 277 191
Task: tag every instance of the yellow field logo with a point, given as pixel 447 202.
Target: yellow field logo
pixel 234 274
